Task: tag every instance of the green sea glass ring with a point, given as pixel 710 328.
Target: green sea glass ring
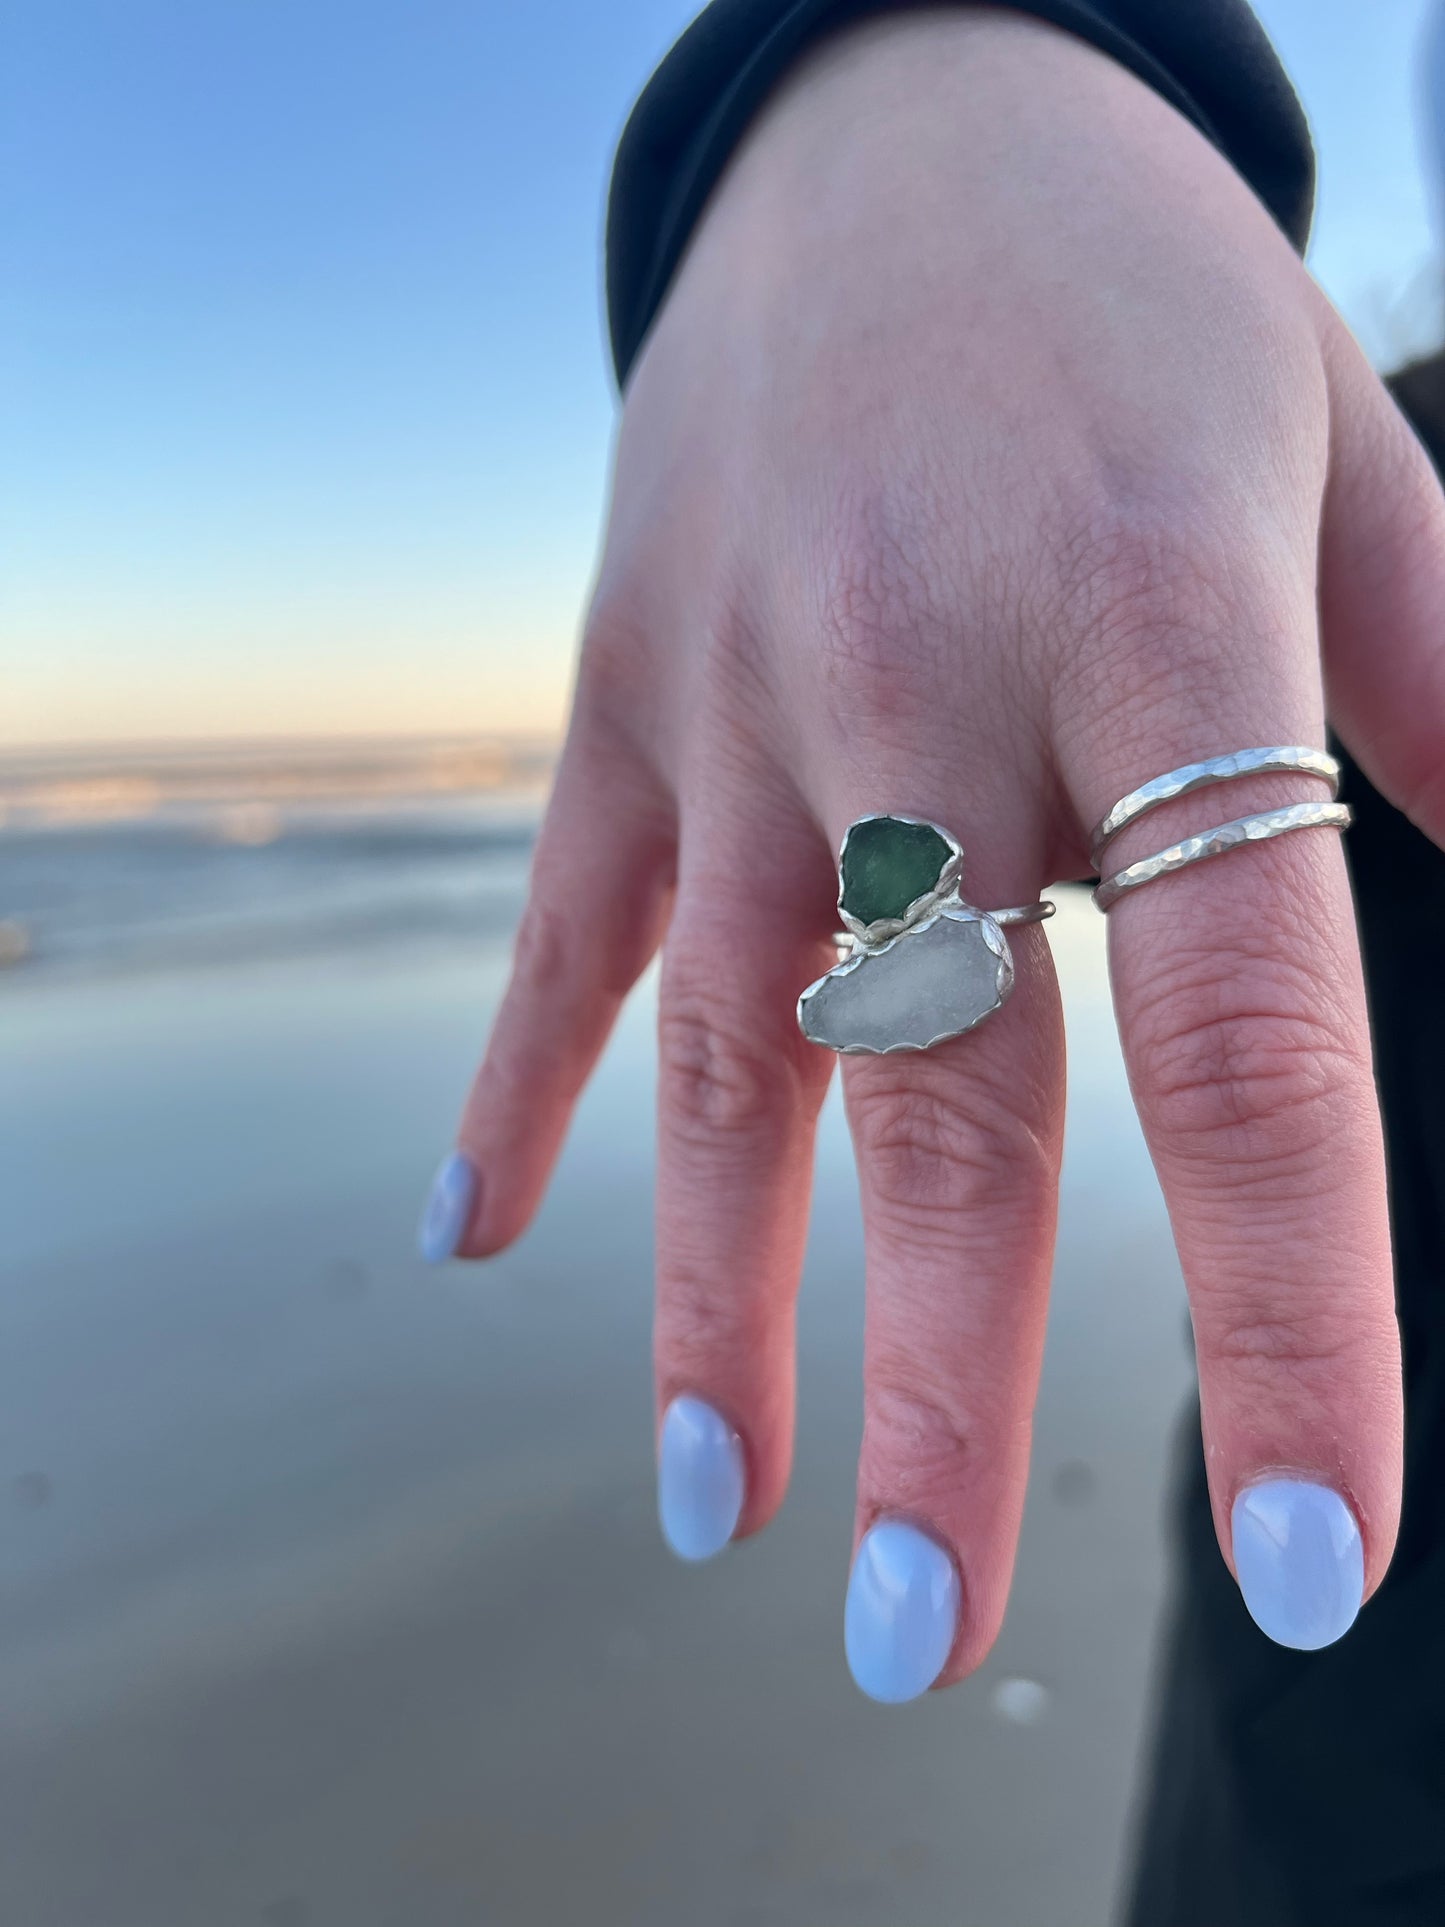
pixel 923 965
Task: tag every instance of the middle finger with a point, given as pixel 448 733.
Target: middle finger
pixel 958 1154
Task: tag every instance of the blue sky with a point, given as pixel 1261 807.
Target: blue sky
pixel 305 406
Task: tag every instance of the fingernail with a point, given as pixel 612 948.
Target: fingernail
pixel 1299 1561
pixel 901 1618
pixel 448 1210
pixel 700 1479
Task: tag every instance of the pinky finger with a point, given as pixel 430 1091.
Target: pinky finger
pixel 597 904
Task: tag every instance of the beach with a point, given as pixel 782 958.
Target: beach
pixel 331 1592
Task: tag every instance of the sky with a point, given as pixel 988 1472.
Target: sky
pixel 304 405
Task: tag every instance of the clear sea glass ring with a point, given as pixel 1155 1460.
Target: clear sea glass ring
pixel 923 964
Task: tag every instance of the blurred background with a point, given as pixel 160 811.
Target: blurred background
pixel 330 1589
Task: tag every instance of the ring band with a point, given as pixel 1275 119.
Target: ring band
pixel 1285 760
pixel 1224 837
pixel 1039 912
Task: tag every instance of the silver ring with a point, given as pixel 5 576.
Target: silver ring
pixel 1039 912
pixel 1218 841
pixel 848 945
pixel 1286 760
pixel 923 964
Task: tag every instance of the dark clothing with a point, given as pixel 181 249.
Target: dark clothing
pixel 1283 1789
pixel 1209 58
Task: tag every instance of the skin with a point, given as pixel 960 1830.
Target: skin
pixel 991 453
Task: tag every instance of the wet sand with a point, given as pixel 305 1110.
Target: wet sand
pixel 330 1589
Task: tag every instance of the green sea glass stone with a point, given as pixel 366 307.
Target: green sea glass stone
pixel 888 864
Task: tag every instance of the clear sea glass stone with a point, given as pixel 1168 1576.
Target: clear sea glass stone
pixel 935 981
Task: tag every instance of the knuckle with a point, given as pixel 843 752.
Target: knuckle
pixel 717 1082
pixel 1155 594
pixel 546 946
pixel 919 1438
pixel 1311 1350
pixel 543 974
pixel 705 1327
pixel 1253 1334
pixel 731 708
pixel 1137 549
pixel 942 1145
pixel 875 609
pixel 1249 1072
pixel 614 673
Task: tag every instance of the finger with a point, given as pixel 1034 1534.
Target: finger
pixel 738 1101
pixel 596 906
pixel 1382 586
pixel 958 1152
pixel 1241 1007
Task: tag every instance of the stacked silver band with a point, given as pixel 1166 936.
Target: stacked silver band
pixel 1223 837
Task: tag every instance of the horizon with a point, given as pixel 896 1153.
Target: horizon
pixel 231 742
pixel 256 791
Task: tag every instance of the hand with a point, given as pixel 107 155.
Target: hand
pixel 992 454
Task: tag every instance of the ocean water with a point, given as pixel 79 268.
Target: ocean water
pixel 330 1587
pixel 250 880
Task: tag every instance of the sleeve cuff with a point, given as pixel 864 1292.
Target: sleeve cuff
pixel 1210 59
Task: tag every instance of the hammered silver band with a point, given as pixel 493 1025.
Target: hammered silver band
pixel 1259 828
pixel 1283 759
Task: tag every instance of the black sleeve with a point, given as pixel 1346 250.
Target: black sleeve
pixel 1208 58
